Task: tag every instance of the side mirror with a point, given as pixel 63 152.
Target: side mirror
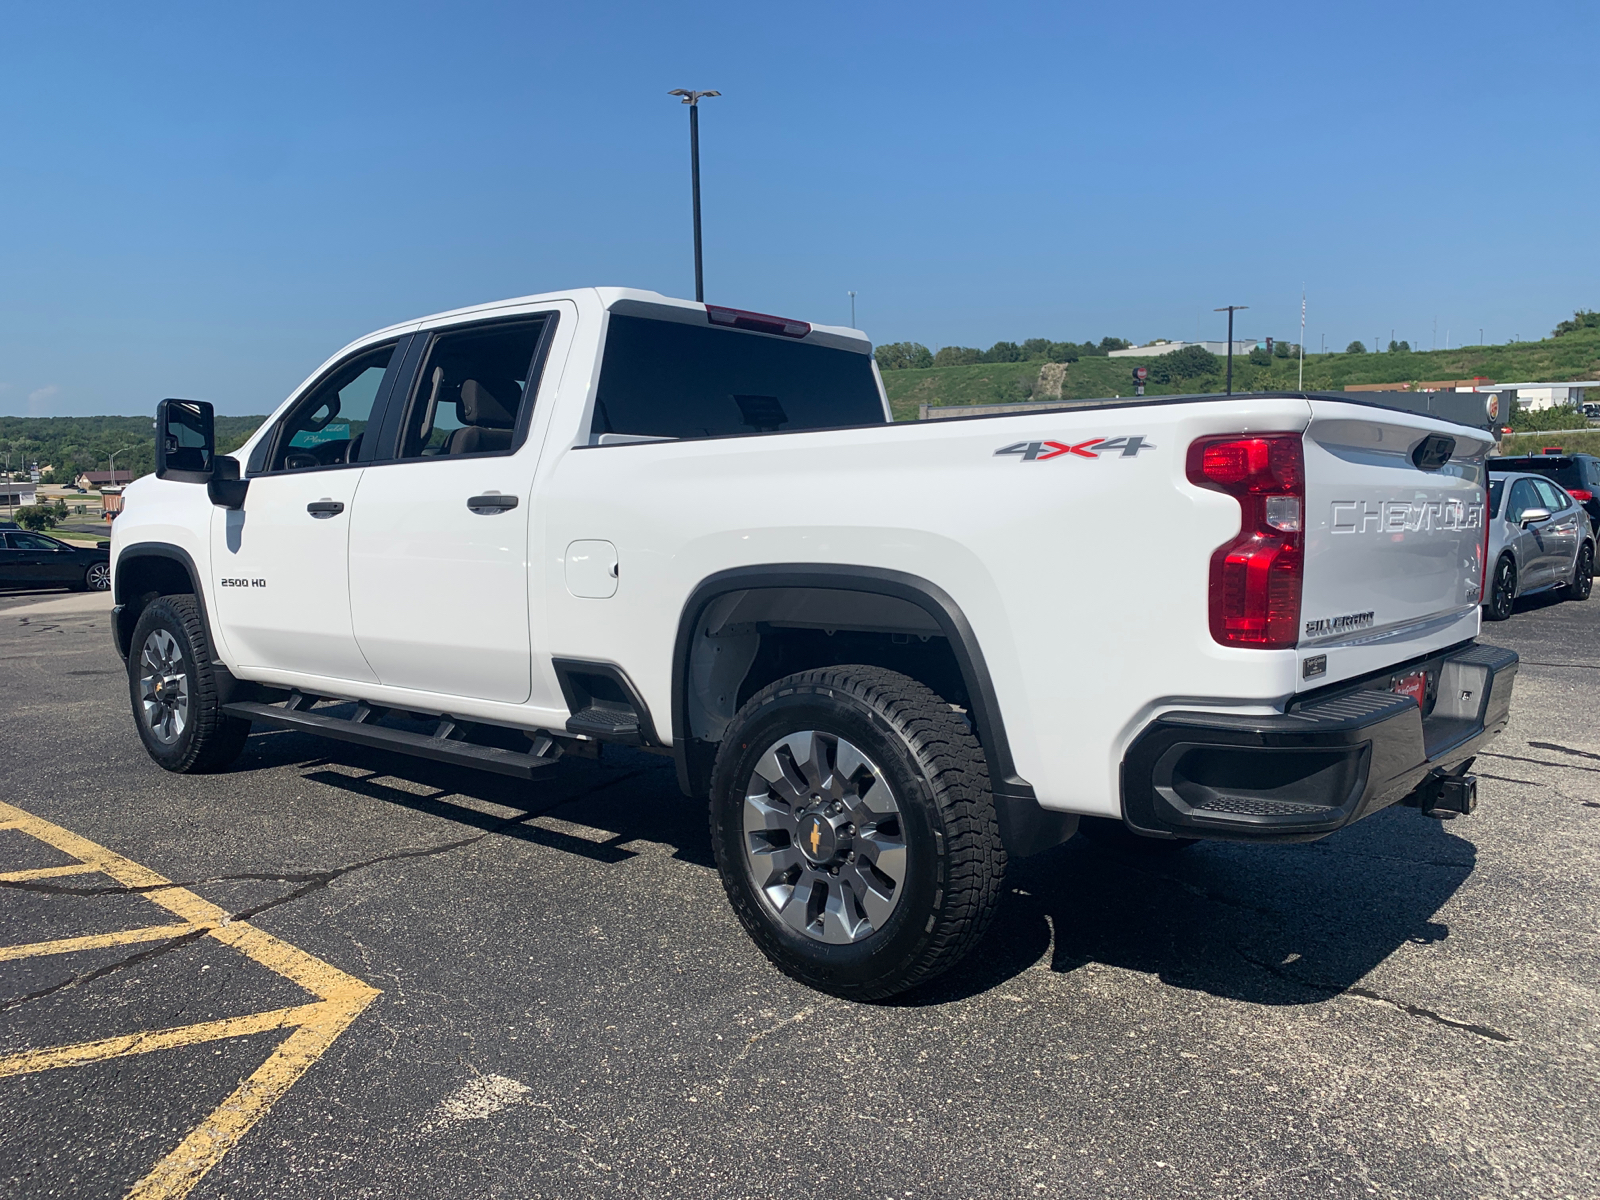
pixel 186 441
pixel 1530 515
pixel 225 487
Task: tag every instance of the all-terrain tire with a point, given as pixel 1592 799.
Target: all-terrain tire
pixel 170 645
pixel 954 862
pixel 1502 590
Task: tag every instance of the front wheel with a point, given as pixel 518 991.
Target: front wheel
pixel 1582 574
pixel 855 830
pixel 174 692
pixel 1502 590
pixel 97 578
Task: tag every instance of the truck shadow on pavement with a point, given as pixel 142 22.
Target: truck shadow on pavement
pixel 1279 925
pixel 1276 925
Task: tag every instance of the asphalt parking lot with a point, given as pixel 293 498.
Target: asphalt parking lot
pixel 543 993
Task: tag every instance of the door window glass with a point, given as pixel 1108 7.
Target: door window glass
pixel 671 380
pixel 1551 496
pixel 1523 497
pixel 472 391
pixel 33 541
pixel 326 427
pixel 1497 487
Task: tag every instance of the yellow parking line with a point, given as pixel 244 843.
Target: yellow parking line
pixel 341 999
pixel 124 937
pixel 48 872
pixel 83 1053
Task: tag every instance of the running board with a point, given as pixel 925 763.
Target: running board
pixel 440 746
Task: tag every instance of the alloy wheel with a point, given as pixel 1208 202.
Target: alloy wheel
pixel 99 577
pixel 822 838
pixel 163 687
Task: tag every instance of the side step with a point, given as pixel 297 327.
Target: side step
pixel 440 746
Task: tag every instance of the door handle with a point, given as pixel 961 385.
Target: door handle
pixel 491 503
pixel 323 509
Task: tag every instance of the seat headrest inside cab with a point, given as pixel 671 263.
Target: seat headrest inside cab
pixel 479 406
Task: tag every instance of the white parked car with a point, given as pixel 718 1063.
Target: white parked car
pixel 891 655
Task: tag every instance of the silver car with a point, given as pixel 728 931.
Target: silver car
pixel 1539 538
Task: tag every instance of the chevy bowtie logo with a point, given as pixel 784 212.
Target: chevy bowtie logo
pixel 816 837
pixel 1093 448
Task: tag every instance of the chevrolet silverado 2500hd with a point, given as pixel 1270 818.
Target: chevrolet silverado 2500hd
pixel 891 655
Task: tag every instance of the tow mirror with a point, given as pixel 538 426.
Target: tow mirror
pixel 1530 515
pixel 185 441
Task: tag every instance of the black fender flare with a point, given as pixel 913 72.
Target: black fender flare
pixel 1015 800
pixel 122 629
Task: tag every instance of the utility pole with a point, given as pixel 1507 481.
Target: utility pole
pixel 692 99
pixel 1230 309
pixel 852 310
pixel 1302 385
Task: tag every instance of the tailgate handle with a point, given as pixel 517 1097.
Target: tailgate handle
pixel 1433 452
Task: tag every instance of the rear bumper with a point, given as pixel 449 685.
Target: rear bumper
pixel 1300 775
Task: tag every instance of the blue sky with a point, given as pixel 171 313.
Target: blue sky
pixel 208 200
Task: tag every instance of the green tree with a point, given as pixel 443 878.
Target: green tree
pixel 41 516
pixel 901 356
pixel 1582 319
pixel 1192 362
pixel 1036 349
pixel 1003 352
pixel 1355 348
pixel 1260 357
pixel 1063 352
pixel 1284 350
pixel 957 356
pixel 1108 344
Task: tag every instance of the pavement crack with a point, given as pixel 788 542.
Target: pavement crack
pixel 1337 989
pixel 133 960
pixel 1564 750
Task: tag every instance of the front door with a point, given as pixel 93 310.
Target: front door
pixel 281 563
pixel 22 557
pixel 439 537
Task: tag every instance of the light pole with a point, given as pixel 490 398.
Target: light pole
pixel 112 466
pixel 1230 309
pixel 692 99
pixel 852 296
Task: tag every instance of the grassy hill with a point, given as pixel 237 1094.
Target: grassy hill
pixel 1572 356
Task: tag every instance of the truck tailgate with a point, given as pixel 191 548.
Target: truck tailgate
pixel 1393 549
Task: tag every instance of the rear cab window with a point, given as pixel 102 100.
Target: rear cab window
pixel 664 379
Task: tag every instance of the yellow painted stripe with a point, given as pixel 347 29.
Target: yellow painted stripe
pixel 342 1000
pixel 123 937
pixel 47 872
pixel 82 1053
pixel 174 1176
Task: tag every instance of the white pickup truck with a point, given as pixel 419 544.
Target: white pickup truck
pixel 891 655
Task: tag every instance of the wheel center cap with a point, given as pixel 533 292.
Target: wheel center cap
pixel 818 841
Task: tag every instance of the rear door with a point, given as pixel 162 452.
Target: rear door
pixel 1560 533
pixel 1394 551
pixel 439 562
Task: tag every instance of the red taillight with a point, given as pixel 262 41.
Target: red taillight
pixel 1580 495
pixel 738 318
pixel 1257 578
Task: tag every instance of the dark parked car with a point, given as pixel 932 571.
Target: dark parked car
pixel 30 559
pixel 1578 473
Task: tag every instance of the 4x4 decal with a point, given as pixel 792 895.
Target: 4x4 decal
pixel 1093 448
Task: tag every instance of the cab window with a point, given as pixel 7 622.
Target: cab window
pixel 326 428
pixel 474 390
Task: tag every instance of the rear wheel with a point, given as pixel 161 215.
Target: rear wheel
pixel 173 691
pixel 98 577
pixel 1582 574
pixel 1502 590
pixel 855 830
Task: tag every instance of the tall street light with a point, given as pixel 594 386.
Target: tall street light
pixel 852 296
pixel 1230 310
pixel 692 99
pixel 113 464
